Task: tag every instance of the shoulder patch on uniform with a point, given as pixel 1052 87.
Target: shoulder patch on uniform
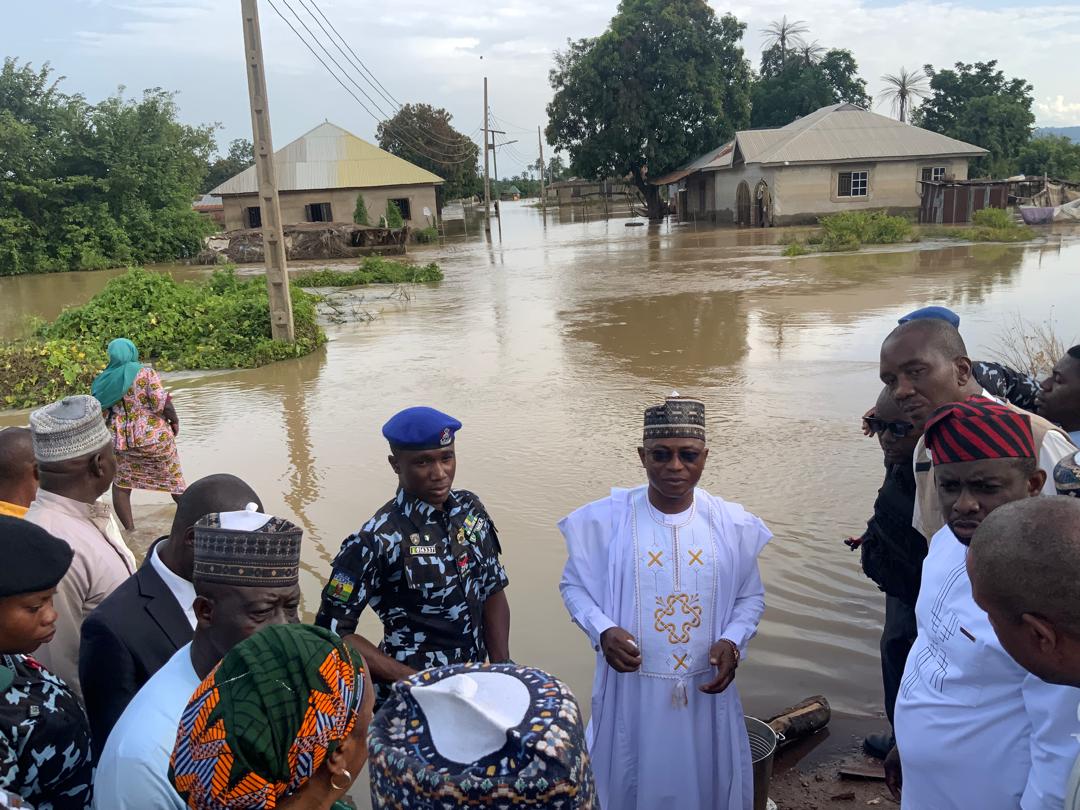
pixel 340 587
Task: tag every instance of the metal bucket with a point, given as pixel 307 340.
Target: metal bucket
pixel 763 741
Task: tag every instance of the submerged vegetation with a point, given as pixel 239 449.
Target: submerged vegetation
pixel 372 270
pixel 221 322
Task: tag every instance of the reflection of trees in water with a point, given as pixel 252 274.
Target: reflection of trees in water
pixel 671 339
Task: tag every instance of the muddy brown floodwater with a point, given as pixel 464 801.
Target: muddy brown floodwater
pixel 548 344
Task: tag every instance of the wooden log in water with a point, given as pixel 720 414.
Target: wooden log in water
pixel 801 720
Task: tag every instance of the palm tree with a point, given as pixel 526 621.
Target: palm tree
pixel 903 89
pixel 784 33
pixel 811 52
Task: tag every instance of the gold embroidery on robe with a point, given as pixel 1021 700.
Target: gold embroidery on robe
pixel 677 616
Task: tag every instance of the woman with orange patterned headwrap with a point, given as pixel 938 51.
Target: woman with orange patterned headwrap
pixel 281 723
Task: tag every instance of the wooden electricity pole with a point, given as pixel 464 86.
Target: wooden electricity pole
pixel 277 271
pixel 487 178
pixel 543 196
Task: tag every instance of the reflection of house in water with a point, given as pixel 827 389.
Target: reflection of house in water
pixel 576 190
pixel 838 158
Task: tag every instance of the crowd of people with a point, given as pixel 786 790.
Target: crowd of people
pixel 189 681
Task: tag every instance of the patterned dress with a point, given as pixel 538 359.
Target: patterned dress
pixel 44 739
pixel 146 456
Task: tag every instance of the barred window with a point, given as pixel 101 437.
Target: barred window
pixel 851 184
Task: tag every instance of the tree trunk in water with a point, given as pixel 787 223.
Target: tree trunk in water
pixel 654 206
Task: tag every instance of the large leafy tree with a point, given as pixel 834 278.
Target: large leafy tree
pixel 86 186
pixel 977 103
pixel 1053 155
pixel 666 81
pixel 241 154
pixel 424 135
pixel 794 85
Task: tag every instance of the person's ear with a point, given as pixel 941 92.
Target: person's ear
pixel 963 370
pixel 1041 633
pixel 1036 483
pixel 704 455
pixel 189 538
pixel 35 472
pixel 204 611
pixel 641 455
pixel 394 464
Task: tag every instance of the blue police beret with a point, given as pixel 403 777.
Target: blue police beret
pixel 939 313
pixel 420 428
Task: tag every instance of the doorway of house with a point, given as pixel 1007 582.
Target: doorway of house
pixel 742 204
pixel 764 205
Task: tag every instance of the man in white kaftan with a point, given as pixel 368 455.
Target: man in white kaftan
pixel 685 586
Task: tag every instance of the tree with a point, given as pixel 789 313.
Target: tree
pixel 360 214
pixel 666 81
pixel 241 154
pixel 903 89
pixel 793 88
pixel 978 104
pixel 1053 155
pixel 393 216
pixel 811 52
pixel 422 134
pixel 556 169
pixel 782 33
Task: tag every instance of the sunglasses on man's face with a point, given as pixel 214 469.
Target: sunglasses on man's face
pixel 661 455
pixel 897 429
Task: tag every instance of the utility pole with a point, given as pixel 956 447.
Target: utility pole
pixel 495 167
pixel 543 196
pixel 277 271
pixel 487 178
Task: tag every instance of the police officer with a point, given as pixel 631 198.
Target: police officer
pixel 427 563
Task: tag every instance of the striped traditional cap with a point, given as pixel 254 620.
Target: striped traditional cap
pixel 678 418
pixel 977 429
pixel 247 548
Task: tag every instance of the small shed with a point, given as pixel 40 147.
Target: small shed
pixel 511 194
pixel 949 202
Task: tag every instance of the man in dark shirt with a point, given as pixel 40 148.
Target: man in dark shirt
pixel 427 563
pixel 893 551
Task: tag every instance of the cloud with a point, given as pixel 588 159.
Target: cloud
pixel 1056 111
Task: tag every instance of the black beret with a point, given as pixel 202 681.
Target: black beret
pixel 33 560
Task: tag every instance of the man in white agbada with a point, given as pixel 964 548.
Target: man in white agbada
pixel 664 581
pixel 974 730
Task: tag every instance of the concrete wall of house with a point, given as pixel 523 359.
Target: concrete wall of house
pixel 801 194
pixel 342 204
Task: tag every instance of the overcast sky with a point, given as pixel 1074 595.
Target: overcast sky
pixel 438 51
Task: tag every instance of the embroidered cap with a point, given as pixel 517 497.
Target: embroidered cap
pixel 71 428
pixel 420 428
pixel 247 548
pixel 678 418
pixel 496 735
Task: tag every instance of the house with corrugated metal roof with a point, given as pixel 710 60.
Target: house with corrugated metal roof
pixel 838 158
pixel 319 176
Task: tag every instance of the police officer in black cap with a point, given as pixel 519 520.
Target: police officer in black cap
pixel 427 563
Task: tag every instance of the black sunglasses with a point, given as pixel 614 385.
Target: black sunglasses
pixel 662 455
pixel 897 429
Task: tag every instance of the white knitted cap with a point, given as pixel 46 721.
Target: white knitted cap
pixel 70 428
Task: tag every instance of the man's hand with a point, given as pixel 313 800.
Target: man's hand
pixel 722 656
pixel 894 777
pixel 620 650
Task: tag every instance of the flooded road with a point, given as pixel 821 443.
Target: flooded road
pixel 548 346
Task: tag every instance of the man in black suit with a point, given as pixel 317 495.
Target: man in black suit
pixel 139 626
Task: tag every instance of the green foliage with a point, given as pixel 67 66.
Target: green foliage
pixel 852 229
pixel 241 154
pixel 992 218
pixel 978 104
pixel 360 214
pixel 427 236
pixel 222 322
pixel 90 186
pixel 795 249
pixel 795 86
pixel 423 135
pixel 666 81
pixel 372 270
pixel 1052 155
pixel 393 215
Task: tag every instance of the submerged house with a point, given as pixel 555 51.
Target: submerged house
pixel 837 158
pixel 319 176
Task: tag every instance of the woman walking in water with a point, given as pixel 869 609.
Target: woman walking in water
pixel 144 425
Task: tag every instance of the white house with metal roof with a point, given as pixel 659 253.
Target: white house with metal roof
pixel 837 158
pixel 319 176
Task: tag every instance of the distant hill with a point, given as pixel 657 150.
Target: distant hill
pixel 1073 133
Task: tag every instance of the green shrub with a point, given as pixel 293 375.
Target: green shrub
pixel 993 218
pixel 222 322
pixel 427 236
pixel 393 216
pixel 360 214
pixel 851 229
pixel 372 270
pixel 795 249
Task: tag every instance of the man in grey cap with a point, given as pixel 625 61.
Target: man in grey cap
pixel 74 453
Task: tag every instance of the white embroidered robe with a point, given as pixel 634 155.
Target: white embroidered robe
pixel 677 583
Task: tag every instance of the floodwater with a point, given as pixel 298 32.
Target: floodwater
pixel 548 345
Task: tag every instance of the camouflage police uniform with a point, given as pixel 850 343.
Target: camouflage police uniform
pixel 426 573
pixel 1007 384
pixel 44 738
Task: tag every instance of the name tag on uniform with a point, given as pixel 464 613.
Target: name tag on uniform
pixel 422 550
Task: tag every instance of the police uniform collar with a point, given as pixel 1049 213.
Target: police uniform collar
pixel 410 503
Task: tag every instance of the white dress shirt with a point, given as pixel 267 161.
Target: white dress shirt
pixel 182 590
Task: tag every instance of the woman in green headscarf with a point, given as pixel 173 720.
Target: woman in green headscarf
pixel 144 423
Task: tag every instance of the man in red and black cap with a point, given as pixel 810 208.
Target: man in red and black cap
pixel 973 728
